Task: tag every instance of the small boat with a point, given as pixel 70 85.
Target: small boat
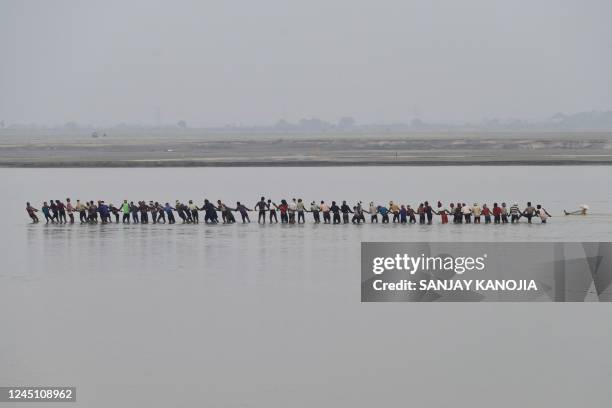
pixel 583 208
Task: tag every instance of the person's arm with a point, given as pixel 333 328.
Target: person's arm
pixel 546 212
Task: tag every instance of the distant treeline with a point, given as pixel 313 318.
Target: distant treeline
pixel 583 121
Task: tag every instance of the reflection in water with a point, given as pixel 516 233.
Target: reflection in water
pixel 238 315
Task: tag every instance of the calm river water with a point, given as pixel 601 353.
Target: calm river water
pixel 252 315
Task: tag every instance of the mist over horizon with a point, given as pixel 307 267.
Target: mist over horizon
pixel 212 64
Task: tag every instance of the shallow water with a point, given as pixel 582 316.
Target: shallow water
pixel 250 315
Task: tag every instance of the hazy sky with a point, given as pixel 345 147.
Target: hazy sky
pixel 253 62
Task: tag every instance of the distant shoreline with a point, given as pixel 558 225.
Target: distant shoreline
pixel 307 151
pixel 305 163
